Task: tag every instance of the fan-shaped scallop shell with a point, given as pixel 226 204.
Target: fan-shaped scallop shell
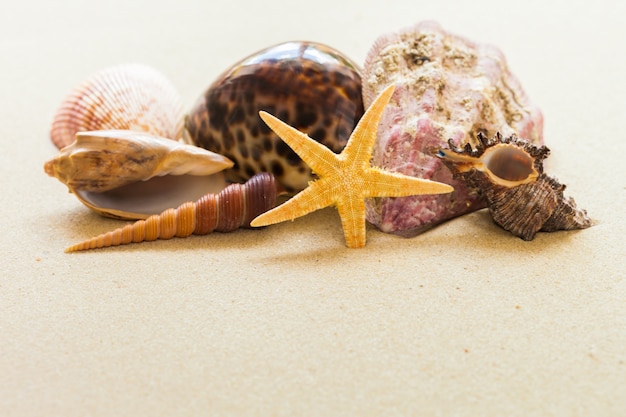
pixel 128 96
pixel 233 207
pixel 310 86
pixel 508 172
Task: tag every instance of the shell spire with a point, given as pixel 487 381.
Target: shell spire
pixel 508 172
pixel 233 207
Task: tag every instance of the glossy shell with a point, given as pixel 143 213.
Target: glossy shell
pixel 233 207
pixel 310 86
pixel 128 174
pixel 447 87
pixel 128 96
pixel 508 172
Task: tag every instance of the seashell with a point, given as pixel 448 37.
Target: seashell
pixel 446 87
pixel 508 172
pixel 128 97
pixel 131 175
pixel 310 86
pixel 233 207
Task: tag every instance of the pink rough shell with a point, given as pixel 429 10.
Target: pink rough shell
pixel 446 87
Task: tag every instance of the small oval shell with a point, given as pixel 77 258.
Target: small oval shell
pixel 310 86
pixel 521 198
pixel 128 96
pixel 233 207
pixel 127 174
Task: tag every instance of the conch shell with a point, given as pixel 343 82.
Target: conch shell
pixel 127 97
pixel 131 175
pixel 508 172
pixel 235 206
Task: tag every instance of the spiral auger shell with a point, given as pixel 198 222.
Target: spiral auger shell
pixel 233 207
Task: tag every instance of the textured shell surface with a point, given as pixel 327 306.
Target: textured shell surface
pixel 447 87
pixel 233 207
pixel 128 174
pixel 128 97
pixel 521 198
pixel 310 86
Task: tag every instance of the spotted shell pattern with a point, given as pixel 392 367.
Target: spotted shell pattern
pixel 521 198
pixel 310 86
pixel 126 97
pixel 233 207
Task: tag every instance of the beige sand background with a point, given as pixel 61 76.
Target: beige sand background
pixel 465 320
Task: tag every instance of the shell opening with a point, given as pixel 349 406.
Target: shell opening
pixel 509 165
pixel 142 199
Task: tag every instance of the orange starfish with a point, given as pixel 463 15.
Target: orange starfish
pixel 347 179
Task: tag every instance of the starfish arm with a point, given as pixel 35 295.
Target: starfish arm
pixel 352 213
pixel 309 200
pixel 361 144
pixel 393 184
pixel 317 156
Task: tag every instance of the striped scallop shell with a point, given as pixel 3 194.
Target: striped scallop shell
pixel 128 96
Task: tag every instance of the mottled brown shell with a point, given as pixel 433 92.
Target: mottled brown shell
pixel 310 86
pixel 508 172
pixel 233 207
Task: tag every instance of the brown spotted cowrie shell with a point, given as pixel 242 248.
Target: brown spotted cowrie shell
pixel 310 86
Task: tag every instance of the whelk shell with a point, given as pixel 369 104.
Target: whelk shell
pixel 508 172
pixel 233 207
pixel 447 87
pixel 131 175
pixel 128 97
pixel 310 86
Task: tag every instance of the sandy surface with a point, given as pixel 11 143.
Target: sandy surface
pixel 465 320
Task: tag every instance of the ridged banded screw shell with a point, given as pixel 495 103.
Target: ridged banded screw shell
pixel 128 97
pixel 508 172
pixel 310 86
pixel 447 86
pixel 233 207
pixel 130 175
